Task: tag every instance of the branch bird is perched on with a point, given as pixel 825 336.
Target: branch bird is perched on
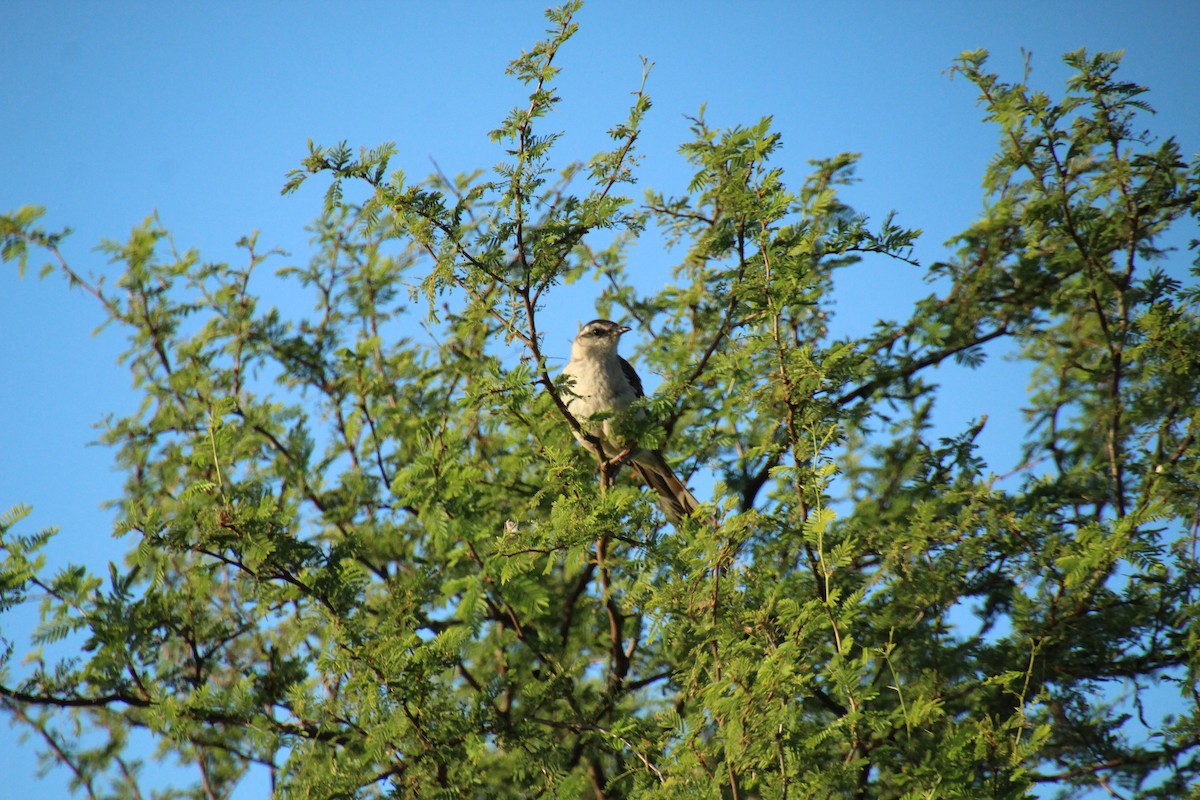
pixel 603 382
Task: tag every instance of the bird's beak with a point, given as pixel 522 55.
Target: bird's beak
pixel 623 329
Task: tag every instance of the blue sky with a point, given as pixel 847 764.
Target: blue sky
pixel 113 111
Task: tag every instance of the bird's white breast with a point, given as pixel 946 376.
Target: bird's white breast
pixel 599 385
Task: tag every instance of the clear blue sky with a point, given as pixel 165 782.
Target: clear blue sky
pixel 111 111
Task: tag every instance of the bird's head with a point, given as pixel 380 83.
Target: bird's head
pixel 598 339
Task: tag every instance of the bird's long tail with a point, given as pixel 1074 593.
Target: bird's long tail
pixel 674 498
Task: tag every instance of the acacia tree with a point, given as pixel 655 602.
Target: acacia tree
pixel 379 565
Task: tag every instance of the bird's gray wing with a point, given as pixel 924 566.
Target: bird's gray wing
pixel 631 376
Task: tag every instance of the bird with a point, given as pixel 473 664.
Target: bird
pixel 602 382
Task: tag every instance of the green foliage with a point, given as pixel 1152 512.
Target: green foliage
pixel 379 565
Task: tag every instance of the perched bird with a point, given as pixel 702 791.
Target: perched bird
pixel 602 381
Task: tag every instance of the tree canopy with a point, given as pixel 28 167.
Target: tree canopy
pixel 366 554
